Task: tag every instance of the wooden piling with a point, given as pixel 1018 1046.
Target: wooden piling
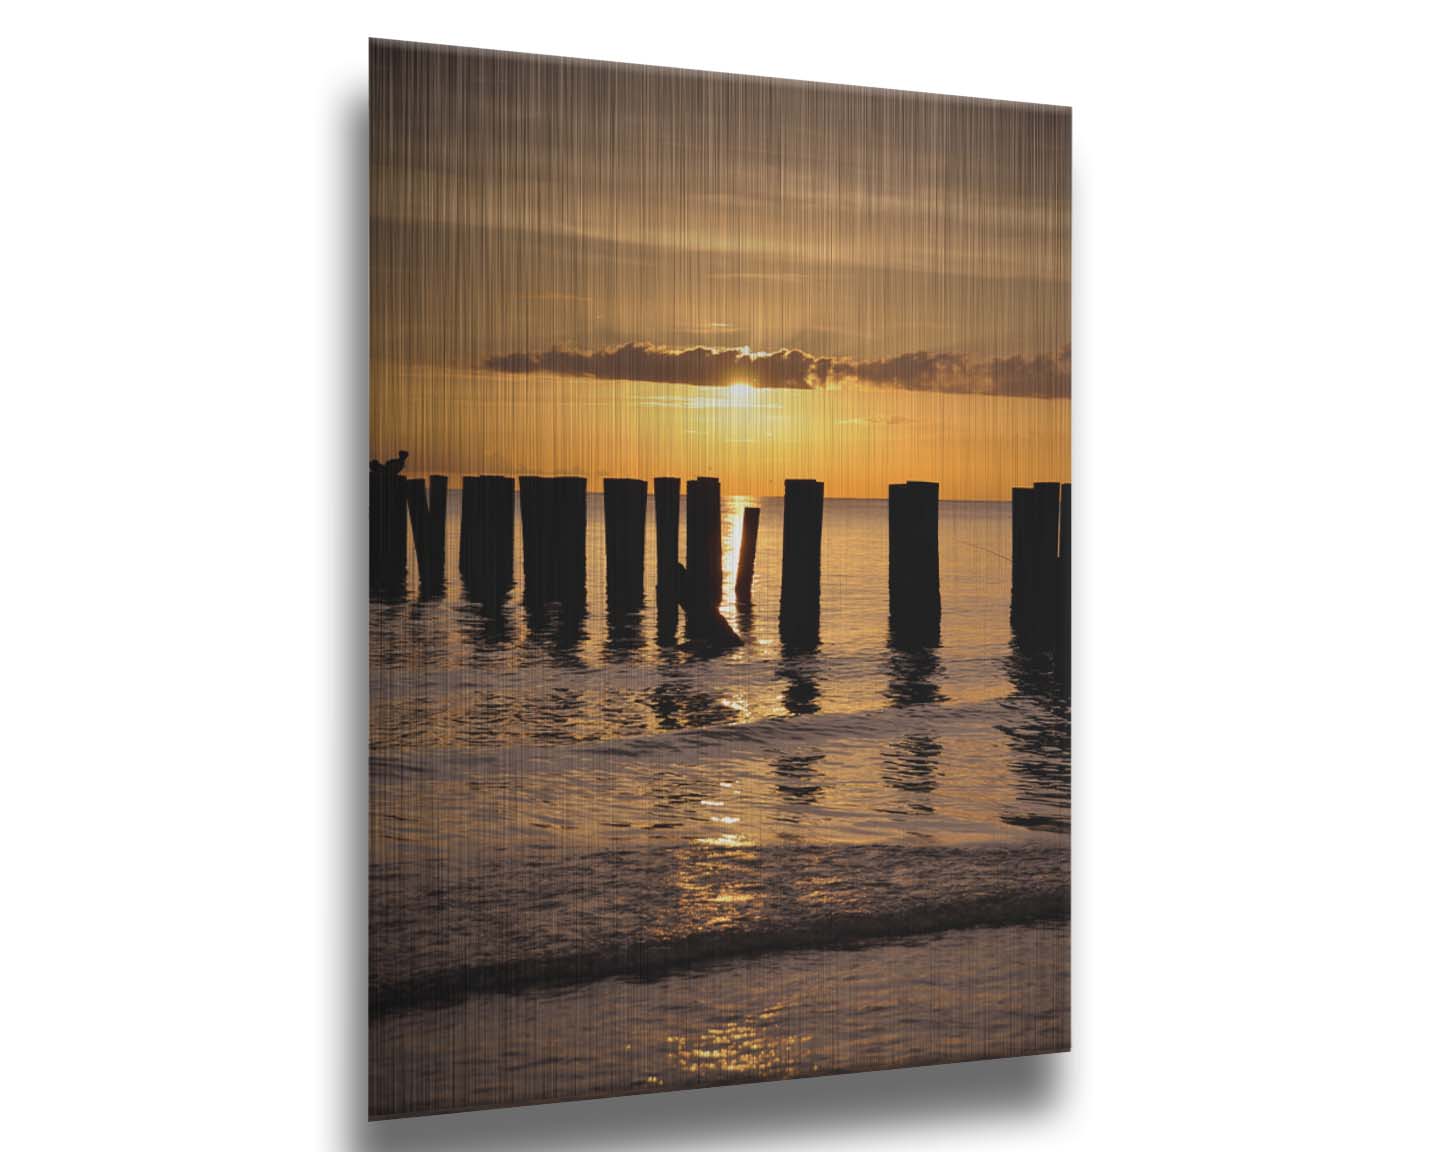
pixel 745 569
pixel 624 544
pixel 395 565
pixel 914 546
pixel 552 533
pixel 388 540
pixel 1035 566
pixel 1062 624
pixel 471 500
pixel 702 543
pixel 377 535
pixel 1045 564
pixel 420 532
pixel 667 539
pixel 1019 514
pixel 800 562
pixel 537 514
pixel 571 508
pixel 487 537
pixel 498 538
pixel 435 539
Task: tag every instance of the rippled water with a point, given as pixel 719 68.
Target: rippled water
pixel 598 825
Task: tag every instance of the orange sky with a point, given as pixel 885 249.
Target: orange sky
pixel 581 268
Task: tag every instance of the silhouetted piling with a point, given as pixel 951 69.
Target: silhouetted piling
pixel 667 557
pixel 1035 566
pixel 915 563
pixel 571 510
pixel 439 489
pixel 699 592
pixel 397 560
pixel 1062 623
pixel 800 562
pixel 1045 565
pixel 388 540
pixel 702 543
pixel 423 531
pixel 487 537
pixel 469 526
pixel 667 538
pixel 1019 515
pixel 552 534
pixel 624 544
pixel 537 538
pixel 377 512
pixel 745 569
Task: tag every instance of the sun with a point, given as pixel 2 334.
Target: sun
pixel 741 394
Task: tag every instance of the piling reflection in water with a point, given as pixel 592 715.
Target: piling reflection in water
pixel 624 640
pixel 558 628
pixel 911 765
pixel 798 777
pixel 914 677
pixel 802 684
pixel 1038 730
pixel 483 626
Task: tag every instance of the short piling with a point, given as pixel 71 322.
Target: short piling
pixel 800 563
pixel 745 568
pixel 914 547
pixel 624 544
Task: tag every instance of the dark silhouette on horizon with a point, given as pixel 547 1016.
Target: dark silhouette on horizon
pixel 554 515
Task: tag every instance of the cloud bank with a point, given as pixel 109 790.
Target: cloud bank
pixel 1041 376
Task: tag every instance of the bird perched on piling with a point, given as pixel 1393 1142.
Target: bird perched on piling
pixel 392 467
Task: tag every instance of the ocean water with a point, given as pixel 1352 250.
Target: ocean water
pixel 601 863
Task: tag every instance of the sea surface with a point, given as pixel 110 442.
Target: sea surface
pixel 604 863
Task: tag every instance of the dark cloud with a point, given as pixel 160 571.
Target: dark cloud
pixel 1035 376
pixel 700 366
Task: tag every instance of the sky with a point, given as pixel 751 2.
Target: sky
pixel 603 270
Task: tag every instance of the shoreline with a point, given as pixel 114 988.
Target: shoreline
pixel 936 998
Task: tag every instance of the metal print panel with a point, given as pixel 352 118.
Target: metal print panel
pixel 719 566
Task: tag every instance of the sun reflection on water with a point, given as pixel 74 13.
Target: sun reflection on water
pixel 753 1046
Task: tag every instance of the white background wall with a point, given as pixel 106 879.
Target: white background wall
pixel 182 843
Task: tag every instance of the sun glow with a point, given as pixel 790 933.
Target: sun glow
pixel 741 394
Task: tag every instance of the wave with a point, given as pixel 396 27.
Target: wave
pixel 734 737
pixel 654 958
pixel 510 932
